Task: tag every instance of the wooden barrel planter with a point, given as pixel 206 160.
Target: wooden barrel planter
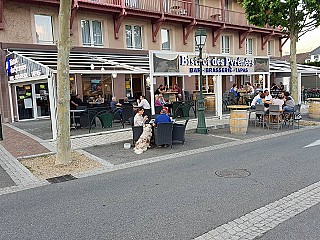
pixel 314 108
pixel 210 103
pixel 239 121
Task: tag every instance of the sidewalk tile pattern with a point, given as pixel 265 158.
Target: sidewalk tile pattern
pixel 19 144
pixel 21 176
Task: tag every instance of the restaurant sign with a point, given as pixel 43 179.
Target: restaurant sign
pixel 212 64
pixel 19 67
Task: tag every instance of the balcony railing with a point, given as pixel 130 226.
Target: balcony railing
pixel 179 8
pixel 104 2
pixel 236 18
pixel 208 13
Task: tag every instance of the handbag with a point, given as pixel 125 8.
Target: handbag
pixel 297 116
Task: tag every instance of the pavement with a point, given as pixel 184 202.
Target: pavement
pixel 107 148
pixel 30 139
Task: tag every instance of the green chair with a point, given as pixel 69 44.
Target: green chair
pixel 185 110
pixel 106 119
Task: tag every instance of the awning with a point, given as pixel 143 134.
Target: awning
pixel 122 63
pixel 92 63
pixel 284 67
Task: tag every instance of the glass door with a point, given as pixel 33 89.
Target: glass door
pixel 42 99
pixel 24 102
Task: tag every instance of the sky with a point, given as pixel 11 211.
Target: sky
pixel 307 43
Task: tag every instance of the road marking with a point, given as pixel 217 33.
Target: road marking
pixel 234 139
pixel 256 223
pixel 316 143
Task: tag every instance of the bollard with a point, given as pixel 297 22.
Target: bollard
pixel 1 138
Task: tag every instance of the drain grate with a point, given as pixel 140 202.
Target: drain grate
pixel 235 173
pixel 60 179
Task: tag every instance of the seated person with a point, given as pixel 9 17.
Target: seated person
pixel 143 103
pixel 177 89
pixel 274 87
pixel 126 102
pixel 159 90
pixel 100 99
pixel 114 104
pixel 255 100
pixel 250 89
pixel 157 102
pixel 75 101
pixel 278 101
pixel 163 117
pixel 139 120
pixel 161 99
pixel 288 102
pixel 234 94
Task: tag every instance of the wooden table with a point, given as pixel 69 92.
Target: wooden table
pixel 314 108
pixel 172 96
pixel 239 119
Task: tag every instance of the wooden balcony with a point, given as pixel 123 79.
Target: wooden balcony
pixel 174 8
pixel 184 12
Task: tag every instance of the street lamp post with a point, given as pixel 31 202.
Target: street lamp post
pixel 200 38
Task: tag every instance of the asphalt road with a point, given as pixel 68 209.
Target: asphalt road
pixel 175 199
pixel 5 180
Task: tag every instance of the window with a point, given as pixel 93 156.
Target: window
pixel 249 46
pixel 165 39
pixel 133 37
pixel 225 44
pixel 44 33
pixel 91 33
pixel 226 5
pixel 270 48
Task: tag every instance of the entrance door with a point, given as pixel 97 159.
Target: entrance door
pixel 24 102
pixel 137 87
pixel 42 99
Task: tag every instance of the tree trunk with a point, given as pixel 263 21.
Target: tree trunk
pixel 293 65
pixel 63 85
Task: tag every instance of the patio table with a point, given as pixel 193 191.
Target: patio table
pixel 74 125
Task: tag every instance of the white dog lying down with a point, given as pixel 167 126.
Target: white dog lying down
pixel 144 141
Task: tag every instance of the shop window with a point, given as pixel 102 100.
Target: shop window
pixel 134 36
pixel 249 46
pixel 225 44
pixel 44 31
pixel 91 33
pixel 165 39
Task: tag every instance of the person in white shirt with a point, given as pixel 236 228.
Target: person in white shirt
pixel 268 96
pixel 278 101
pixel 255 100
pixel 143 103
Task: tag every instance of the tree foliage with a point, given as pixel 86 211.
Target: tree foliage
pixel 299 16
pixel 295 17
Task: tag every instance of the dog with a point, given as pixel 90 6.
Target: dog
pixel 143 142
